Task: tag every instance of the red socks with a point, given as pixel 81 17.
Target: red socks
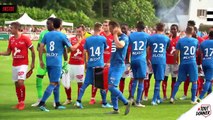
pixel 200 82
pixel 20 92
pixel 186 86
pixel 94 90
pixel 164 86
pixel 68 92
pixel 79 86
pixel 146 87
pixel 122 84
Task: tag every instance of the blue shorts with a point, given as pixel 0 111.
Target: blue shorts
pixel 89 76
pixel 188 70
pixel 115 74
pixel 208 72
pixel 54 73
pixel 159 71
pixel 138 69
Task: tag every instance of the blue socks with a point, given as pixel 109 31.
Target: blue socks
pixel 156 90
pixel 47 92
pixel 103 96
pixel 206 87
pixel 82 90
pixel 140 90
pixel 176 86
pixel 134 84
pixel 56 93
pixel 193 91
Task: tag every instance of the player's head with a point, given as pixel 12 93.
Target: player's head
pixel 57 23
pixel 80 30
pixel 211 35
pixel 160 27
pixel 140 26
pixel 191 23
pixel 174 29
pixel 49 23
pixel 97 27
pixel 106 25
pixel 113 25
pixel 15 27
pixel 189 30
pixel 124 28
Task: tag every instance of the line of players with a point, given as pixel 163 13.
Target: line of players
pixel 160 50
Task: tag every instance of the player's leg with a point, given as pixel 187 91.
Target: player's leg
pixel 39 77
pixel 208 77
pixel 174 76
pixel 146 87
pixel 94 91
pixel 182 74
pixel 210 88
pixel 185 88
pixel 130 87
pixel 115 74
pixel 124 76
pixel 193 75
pixel 200 80
pixel 164 82
pixel 68 91
pixel 88 80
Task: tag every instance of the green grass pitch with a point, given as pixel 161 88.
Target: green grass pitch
pixel 164 111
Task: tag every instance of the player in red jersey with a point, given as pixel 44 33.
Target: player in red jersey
pixel 18 46
pixel 107 53
pixel 171 63
pixel 76 62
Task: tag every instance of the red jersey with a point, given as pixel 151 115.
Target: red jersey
pixel 107 52
pixel 199 61
pixel 19 47
pixel 77 57
pixel 170 51
pixel 206 37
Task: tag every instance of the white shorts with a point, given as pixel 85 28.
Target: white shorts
pixel 19 72
pixel 76 72
pixel 149 69
pixel 171 69
pixel 127 71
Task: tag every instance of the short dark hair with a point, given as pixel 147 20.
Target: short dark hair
pixel 211 35
pixel 160 26
pixel 189 30
pixel 97 26
pixel 140 25
pixel 81 26
pixel 174 25
pixel 114 24
pixel 191 23
pixel 57 23
pixel 16 25
pixel 50 19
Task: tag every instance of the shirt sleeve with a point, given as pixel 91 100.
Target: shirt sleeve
pixel 44 39
pixel 105 44
pixel 85 45
pixel 28 42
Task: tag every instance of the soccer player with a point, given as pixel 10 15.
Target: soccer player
pixel 76 62
pixel 138 43
pixel 187 47
pixel 125 30
pixel 171 63
pixel 107 53
pixel 42 72
pixel 117 66
pixel 55 42
pixel 19 45
pixel 94 46
pixel 206 48
pixel 158 44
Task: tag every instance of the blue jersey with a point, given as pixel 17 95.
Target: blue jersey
pixel 187 47
pixel 55 42
pixel 119 54
pixel 95 45
pixel 207 49
pixel 158 44
pixel 138 43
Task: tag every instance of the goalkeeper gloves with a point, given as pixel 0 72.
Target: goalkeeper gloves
pixel 65 67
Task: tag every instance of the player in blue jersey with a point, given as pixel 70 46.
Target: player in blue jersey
pixel 138 43
pixel 158 44
pixel 206 48
pixel 117 66
pixel 94 46
pixel 187 47
pixel 55 42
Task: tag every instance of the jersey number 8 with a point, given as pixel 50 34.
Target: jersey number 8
pixel 52 47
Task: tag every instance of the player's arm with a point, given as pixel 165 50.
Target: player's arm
pixel 6 53
pixel 41 51
pixel 32 57
pixel 118 44
pixel 85 58
pixel 147 56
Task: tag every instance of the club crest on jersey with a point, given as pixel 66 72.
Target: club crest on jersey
pixel 16 51
pixel 204 110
